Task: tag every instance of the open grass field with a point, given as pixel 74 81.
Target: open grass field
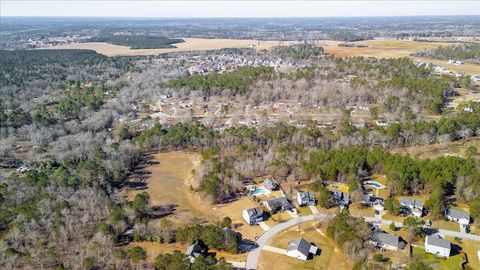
pixel 454 262
pixel 457 148
pixel 356 209
pixel 383 48
pixel 154 249
pixel 169 178
pixel 331 257
pixel 470 248
pixel 234 211
pixel 391 48
pixel 190 44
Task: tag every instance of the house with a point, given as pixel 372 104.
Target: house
pixel 270 185
pixel 415 207
pixel 305 198
pixel 253 215
pixel 278 204
pixel 371 200
pixel 458 216
pixel 382 123
pixel 195 250
pixel 437 246
pixel 23 169
pixel 386 241
pixel 301 249
pixel 340 198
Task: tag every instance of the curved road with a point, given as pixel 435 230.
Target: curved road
pixel 252 257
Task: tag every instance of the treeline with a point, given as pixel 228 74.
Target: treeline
pixel 287 153
pixel 137 41
pixel 238 81
pixel 467 51
pixel 22 66
pixel 299 52
pixel 78 98
pixel 352 235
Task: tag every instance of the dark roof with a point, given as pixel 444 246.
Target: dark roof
pixel 196 249
pixel 458 214
pixel 299 244
pixel 369 198
pixel 281 202
pixel 254 212
pixel 306 195
pixel 434 240
pixel 385 238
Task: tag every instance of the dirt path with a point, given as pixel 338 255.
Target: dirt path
pixel 168 177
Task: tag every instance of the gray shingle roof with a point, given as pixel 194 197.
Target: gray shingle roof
pixel 299 244
pixel 308 196
pixel 458 214
pixel 434 240
pixel 385 238
pixel 281 202
pixel 411 202
pixel 254 212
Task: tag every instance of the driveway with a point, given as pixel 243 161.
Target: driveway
pixel 252 257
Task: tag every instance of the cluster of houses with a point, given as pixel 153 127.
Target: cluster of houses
pixel 230 62
pixel 301 249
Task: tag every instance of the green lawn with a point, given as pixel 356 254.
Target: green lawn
pixel 304 211
pixel 454 262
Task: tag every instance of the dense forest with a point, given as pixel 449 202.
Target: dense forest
pixel 469 52
pixel 80 122
pixel 137 41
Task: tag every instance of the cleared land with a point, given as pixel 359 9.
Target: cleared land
pixel 438 150
pixel 384 48
pixel 331 257
pixel 190 44
pixel 168 182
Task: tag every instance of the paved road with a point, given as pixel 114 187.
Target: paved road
pixel 252 257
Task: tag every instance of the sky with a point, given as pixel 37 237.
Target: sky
pixel 179 8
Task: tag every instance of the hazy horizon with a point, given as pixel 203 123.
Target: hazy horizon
pixel 236 9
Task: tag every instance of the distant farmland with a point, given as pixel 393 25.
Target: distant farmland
pixel 138 42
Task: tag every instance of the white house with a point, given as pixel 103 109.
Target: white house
pixel 415 207
pixel 437 246
pixel 305 198
pixel 386 241
pixel 458 216
pixel 299 248
pixel 252 215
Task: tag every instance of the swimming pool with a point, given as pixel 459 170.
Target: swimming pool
pixel 373 184
pixel 259 191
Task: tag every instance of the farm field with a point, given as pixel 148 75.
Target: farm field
pixel 383 48
pixel 168 181
pixel 330 257
pixel 190 44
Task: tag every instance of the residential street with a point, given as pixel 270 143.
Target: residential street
pixel 252 257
